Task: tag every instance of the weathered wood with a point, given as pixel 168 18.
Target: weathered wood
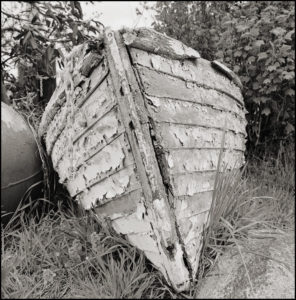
pixel 104 163
pixel 121 206
pixel 155 42
pixel 139 139
pixel 82 92
pixel 122 182
pixel 189 113
pixel 91 141
pixel 194 160
pixel 54 105
pixel 188 184
pixel 200 72
pixel 230 74
pixel 188 206
pixel 164 86
pixel 192 229
pixel 175 136
pixel 158 211
pixel 91 60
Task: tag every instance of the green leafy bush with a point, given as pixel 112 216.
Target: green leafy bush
pixel 256 40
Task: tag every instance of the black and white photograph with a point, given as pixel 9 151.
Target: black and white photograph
pixel 148 149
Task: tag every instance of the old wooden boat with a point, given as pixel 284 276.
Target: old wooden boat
pixel 134 130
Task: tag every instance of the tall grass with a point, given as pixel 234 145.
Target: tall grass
pixel 66 253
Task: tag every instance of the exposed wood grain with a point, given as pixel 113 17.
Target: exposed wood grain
pixel 192 183
pixel 152 41
pixel 104 163
pixel 230 74
pixel 164 86
pixel 194 160
pixel 104 191
pixel 188 206
pixel 182 112
pixel 91 141
pixel 156 202
pixel 91 60
pixel 176 136
pixel 53 125
pixel 82 82
pixel 200 71
pixel 121 206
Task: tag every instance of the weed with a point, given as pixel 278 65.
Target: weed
pixel 66 253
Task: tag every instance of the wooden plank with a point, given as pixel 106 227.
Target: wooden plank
pixel 192 230
pixel 226 71
pixel 55 128
pixel 165 86
pixel 188 184
pixel 122 182
pixel 200 72
pixel 84 84
pixel 56 101
pixel 90 84
pixel 188 206
pixel 120 206
pixel 174 136
pixel 99 101
pixel 196 160
pixel 188 113
pixel 133 224
pixel 105 163
pixel 91 141
pixel 156 202
pixel 153 41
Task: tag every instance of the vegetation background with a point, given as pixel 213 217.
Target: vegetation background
pixel 63 252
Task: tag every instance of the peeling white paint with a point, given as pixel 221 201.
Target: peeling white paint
pixel 170 161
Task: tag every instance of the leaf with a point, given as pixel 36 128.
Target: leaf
pixel 254 32
pixel 288 75
pixel 285 50
pixel 290 92
pixel 20 35
pixel 266 111
pixel 261 56
pixel 251 59
pixel 78 7
pixel 273 67
pixel 289 128
pixel 278 31
pixel 219 54
pixel 236 69
pixel 240 28
pixel 26 38
pixel 258 43
pixel 256 86
pixel 237 53
pixel 75 29
pixel 289 35
pixel 33 43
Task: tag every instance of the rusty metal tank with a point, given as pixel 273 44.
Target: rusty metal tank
pixel 20 160
pixel 134 131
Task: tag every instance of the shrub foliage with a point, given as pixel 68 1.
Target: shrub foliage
pixel 35 35
pixel 255 39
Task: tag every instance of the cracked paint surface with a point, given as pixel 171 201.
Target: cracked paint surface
pixel 192 105
pixel 92 145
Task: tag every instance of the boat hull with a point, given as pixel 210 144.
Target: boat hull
pixel 135 132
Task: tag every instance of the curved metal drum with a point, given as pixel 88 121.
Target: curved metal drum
pixel 20 161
